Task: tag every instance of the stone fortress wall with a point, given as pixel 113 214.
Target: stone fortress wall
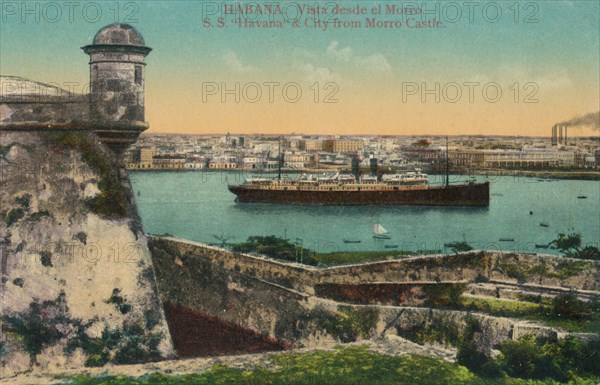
pixel 283 300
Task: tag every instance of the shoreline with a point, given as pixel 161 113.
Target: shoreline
pixel 542 174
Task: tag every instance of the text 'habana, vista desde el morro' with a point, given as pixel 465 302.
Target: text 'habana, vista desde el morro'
pixel 298 9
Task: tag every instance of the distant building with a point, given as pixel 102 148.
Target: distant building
pixel 223 163
pixel 528 158
pixel 343 145
pixel 146 154
pixel 311 145
pixel 169 162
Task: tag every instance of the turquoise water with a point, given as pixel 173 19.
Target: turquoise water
pixel 198 206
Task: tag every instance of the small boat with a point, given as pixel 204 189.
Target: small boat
pixel 538 246
pixel 506 240
pixel 544 224
pixel 352 241
pixel 391 246
pixel 380 233
pixel 581 196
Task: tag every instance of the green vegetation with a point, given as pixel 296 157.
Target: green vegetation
pixel 570 246
pixel 275 247
pixel 565 269
pixel 565 311
pixel 128 345
pixel 119 301
pixel 279 248
pixel 48 323
pixel 349 257
pixel 347 366
pixel 112 200
pixel 39 325
pixel 348 324
pixel 458 247
pixel 39 215
pixel 13 216
pixel 439 329
pixel 563 360
pixel 24 201
pixel 443 295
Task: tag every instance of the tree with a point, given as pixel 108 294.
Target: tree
pixel 458 247
pixel 570 246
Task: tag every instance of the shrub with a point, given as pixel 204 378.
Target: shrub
pixel 448 295
pixel 473 356
pixel 531 357
pixel 570 307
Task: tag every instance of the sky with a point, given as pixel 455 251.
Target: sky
pixel 488 68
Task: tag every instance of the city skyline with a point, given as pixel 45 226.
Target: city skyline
pixel 379 77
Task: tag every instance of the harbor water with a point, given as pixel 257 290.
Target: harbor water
pixel 525 214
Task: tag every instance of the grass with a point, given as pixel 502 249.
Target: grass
pixel 348 257
pixel 343 366
pixel 531 312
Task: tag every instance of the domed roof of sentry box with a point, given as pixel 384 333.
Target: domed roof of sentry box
pixel 119 34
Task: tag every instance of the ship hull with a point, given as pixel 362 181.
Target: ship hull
pixel 476 194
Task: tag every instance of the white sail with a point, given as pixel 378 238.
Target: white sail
pixel 379 229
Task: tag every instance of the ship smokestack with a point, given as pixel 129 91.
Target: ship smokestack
pixel 373 164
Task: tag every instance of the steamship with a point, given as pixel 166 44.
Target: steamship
pixel 409 188
pixel 401 189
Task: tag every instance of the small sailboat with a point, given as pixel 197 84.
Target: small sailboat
pixel 352 241
pixel 380 233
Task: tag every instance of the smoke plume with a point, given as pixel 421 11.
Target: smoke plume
pixel 591 120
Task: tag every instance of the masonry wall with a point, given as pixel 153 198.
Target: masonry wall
pixel 280 300
pixel 78 285
pixel 509 267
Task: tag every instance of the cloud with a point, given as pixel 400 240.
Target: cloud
pixel 344 54
pixel 376 63
pixel 554 81
pixel 318 74
pixel 234 63
pixel 312 63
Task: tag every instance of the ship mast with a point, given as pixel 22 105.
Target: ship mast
pixel 279 161
pixel 447 164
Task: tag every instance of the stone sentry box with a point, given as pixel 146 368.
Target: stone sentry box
pixel 117 84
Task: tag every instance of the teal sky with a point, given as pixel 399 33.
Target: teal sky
pixel 560 51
